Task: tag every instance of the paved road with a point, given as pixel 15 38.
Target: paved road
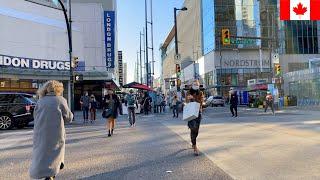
pixel 148 151
pixel 258 145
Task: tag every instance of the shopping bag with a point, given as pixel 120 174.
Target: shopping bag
pixel 191 111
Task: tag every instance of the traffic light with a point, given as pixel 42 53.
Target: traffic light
pixel 75 62
pixel 278 69
pixel 178 70
pixel 225 36
pixel 78 77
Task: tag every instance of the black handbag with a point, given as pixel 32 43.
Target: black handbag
pixel 106 113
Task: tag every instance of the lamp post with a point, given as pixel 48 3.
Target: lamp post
pixel 68 23
pixel 176 41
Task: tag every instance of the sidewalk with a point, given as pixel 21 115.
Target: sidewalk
pixel 285 146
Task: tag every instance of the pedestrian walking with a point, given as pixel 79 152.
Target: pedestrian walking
pixel 269 103
pixel 195 95
pixel 164 103
pixel 93 108
pixel 49 135
pixel 131 101
pixel 175 105
pixel 84 101
pixel 233 102
pixel 146 103
pixel 159 103
pixel 111 102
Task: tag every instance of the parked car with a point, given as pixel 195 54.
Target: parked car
pixel 215 101
pixel 16 109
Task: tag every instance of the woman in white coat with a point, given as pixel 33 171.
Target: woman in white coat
pixel 49 135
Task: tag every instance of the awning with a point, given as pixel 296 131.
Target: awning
pixel 257 87
pixel 136 85
pixel 111 84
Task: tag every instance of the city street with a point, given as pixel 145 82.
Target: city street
pixel 256 145
pixel 148 151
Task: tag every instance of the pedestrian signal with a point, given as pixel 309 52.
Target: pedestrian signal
pixel 225 36
pixel 75 62
pixel 78 77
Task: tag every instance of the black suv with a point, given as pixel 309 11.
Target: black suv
pixel 16 109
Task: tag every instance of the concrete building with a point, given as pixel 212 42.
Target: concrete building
pixel 34 45
pixel 189 39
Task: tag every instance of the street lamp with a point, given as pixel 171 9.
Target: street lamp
pixel 68 23
pixel 176 40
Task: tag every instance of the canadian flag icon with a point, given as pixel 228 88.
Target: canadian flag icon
pixel 300 9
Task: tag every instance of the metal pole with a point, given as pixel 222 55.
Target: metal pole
pixel 146 34
pixel 137 70
pixel 70 59
pixel 176 42
pixel 141 78
pixel 176 32
pixel 68 23
pixel 144 54
pixel 152 44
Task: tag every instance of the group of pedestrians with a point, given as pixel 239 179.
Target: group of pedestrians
pixel 160 103
pixel 52 112
pixel 233 100
pixel 88 104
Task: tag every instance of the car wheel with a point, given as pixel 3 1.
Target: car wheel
pixel 6 122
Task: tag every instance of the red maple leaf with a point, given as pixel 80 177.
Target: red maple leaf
pixel 300 10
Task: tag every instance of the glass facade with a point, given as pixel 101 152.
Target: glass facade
pixel 305 85
pixel 300 37
pixel 248 18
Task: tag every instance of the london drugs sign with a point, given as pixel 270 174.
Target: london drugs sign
pixel 109 23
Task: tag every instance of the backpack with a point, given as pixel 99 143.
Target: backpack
pixel 130 100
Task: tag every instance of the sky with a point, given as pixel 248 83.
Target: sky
pixel 131 20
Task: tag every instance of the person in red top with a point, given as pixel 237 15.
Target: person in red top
pixel 269 102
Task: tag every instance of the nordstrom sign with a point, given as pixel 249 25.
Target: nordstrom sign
pixel 29 63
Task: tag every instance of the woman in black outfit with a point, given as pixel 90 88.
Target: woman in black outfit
pixel 111 101
pixel 146 103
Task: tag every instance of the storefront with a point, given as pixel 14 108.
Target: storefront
pixel 34 46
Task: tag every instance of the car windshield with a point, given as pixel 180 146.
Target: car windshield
pixel 30 98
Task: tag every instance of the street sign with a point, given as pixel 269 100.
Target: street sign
pixel 243 41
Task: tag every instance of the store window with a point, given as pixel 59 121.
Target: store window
pixel 15 84
pixel 4 83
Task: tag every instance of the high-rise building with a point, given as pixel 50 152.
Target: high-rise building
pixel 189 38
pixel 120 66
pixel 245 58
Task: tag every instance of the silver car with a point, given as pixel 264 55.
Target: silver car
pixel 215 101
